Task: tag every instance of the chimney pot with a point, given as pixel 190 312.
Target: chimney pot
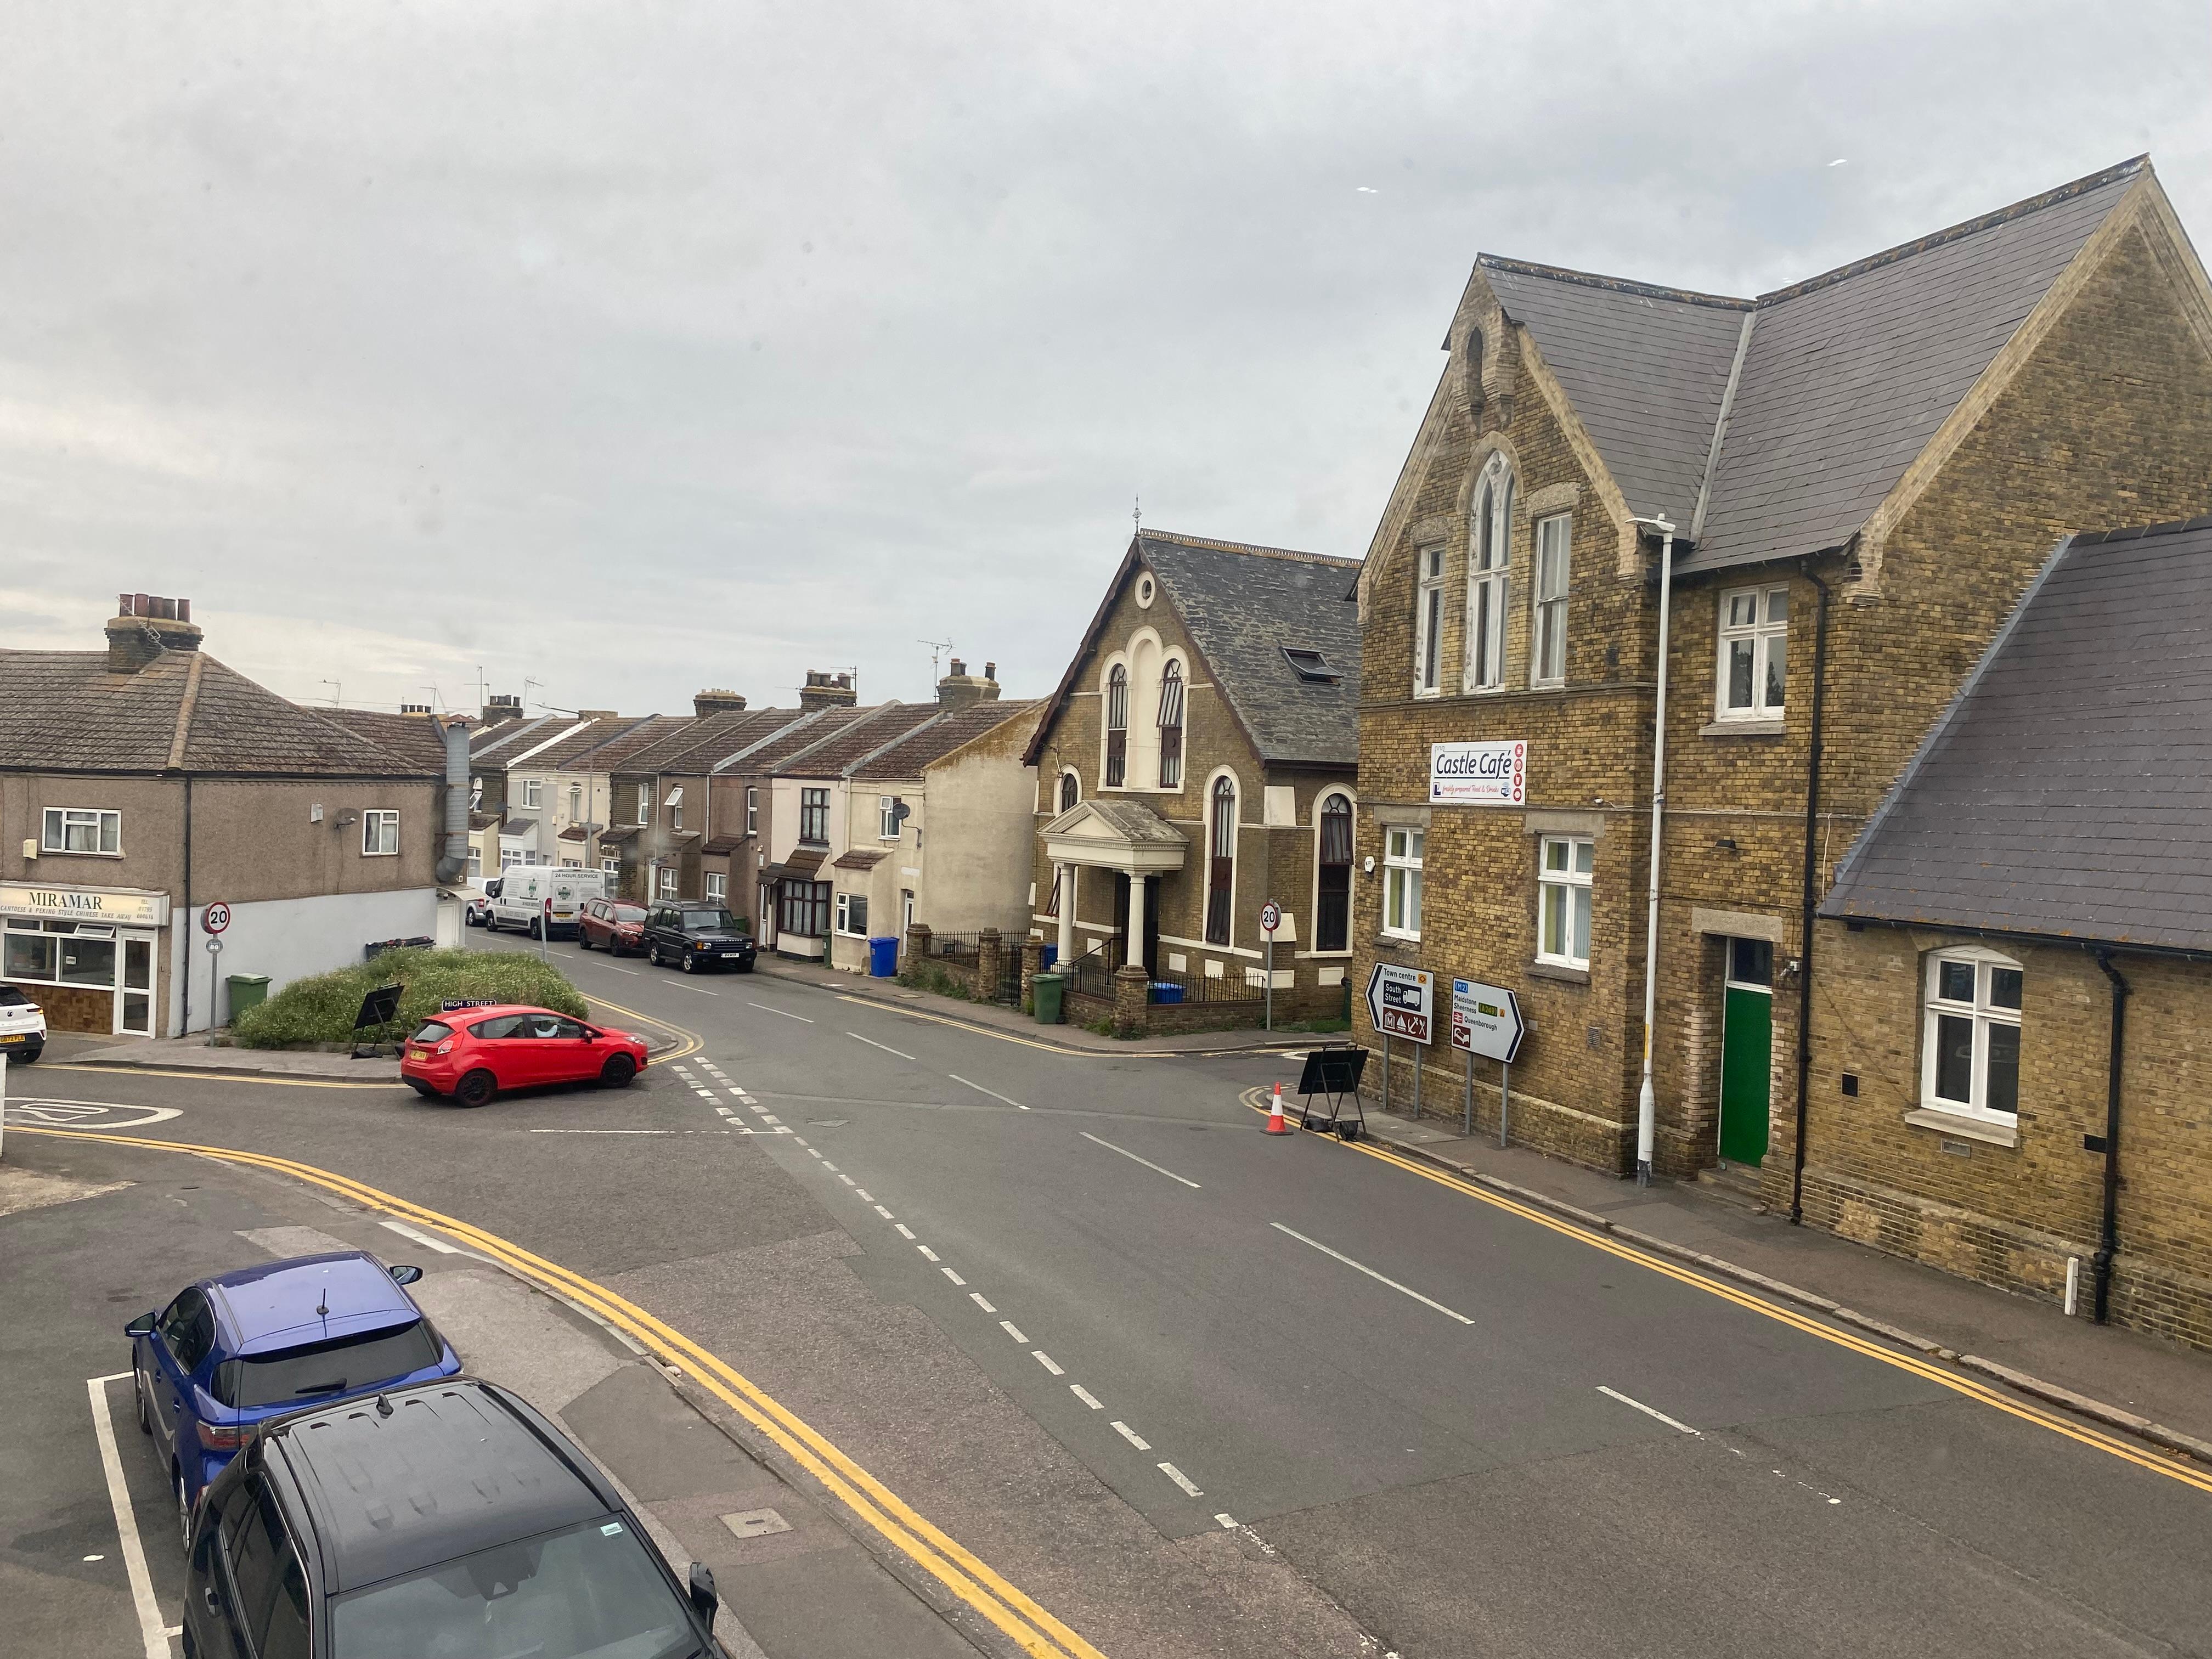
pixel 990 670
pixel 144 627
pixel 823 689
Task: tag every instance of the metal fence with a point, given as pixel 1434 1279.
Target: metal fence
pixel 1092 973
pixel 965 947
pixel 1230 986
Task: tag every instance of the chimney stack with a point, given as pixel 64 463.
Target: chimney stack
pixel 414 707
pixel 499 708
pixel 143 626
pixel 826 691
pixel 960 688
pixel 716 700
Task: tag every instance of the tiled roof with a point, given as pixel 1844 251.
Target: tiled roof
pixel 586 738
pixel 713 739
pixel 1243 605
pixel 723 846
pixel 868 731
pixel 1843 378
pixel 613 753
pixel 482 821
pixel 810 729
pixel 617 836
pixel 510 737
pixel 859 858
pixel 413 736
pixel 67 712
pixel 935 738
pixel 2068 791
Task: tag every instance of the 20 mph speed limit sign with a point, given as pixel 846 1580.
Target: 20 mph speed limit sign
pixel 1271 917
pixel 215 917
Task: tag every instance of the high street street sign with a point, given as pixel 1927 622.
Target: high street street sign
pixel 1486 1020
pixel 1402 1001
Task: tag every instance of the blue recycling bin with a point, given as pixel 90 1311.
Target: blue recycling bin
pixel 882 959
pixel 1166 990
pixel 1049 958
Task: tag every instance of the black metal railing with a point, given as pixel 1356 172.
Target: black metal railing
pixel 964 947
pixel 1092 973
pixel 1230 986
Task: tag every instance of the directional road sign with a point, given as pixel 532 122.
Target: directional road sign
pixel 1402 1001
pixel 1486 1020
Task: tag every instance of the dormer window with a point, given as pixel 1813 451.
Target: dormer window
pixel 1312 666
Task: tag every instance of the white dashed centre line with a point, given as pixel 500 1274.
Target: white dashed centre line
pixel 954 1277
pixel 1086 1396
pixel 1045 1360
pixel 786 1012
pixel 863 1195
pixel 1131 1436
pixel 846 1179
pixel 1361 1266
pixel 1014 1331
pixel 885 1047
pixel 905 1231
pixel 1180 1479
pixel 882 1212
pixel 1638 1405
pixel 828 1166
pixel 980 1090
pixel 926 1251
pixel 1133 1158
pixel 976 1296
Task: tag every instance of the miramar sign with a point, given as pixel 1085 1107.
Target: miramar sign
pixel 1478 774
pixel 124 907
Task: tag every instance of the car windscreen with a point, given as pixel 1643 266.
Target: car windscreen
pixel 629 913
pixel 300 1376
pixel 698 922
pixel 584 1592
pixel 433 1032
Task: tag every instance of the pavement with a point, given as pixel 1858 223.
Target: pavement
pixel 1194 1391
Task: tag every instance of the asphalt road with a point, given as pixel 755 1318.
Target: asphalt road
pixel 1200 1391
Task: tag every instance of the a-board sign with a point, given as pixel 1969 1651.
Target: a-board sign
pixel 380 1007
pixel 215 917
pixel 1486 1020
pixel 1402 1002
pixel 1271 917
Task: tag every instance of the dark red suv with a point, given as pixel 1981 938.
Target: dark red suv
pixel 613 924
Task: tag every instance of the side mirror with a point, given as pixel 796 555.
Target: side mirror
pixel 405 1273
pixel 590 1035
pixel 703 1598
pixel 142 1325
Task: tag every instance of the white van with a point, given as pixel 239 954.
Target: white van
pixel 524 888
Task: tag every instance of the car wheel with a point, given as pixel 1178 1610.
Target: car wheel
pixel 745 967
pixel 139 1391
pixel 477 1089
pixel 30 1054
pixel 183 1509
pixel 617 1072
pixel 583 940
pixel 421 1088
pixel 690 963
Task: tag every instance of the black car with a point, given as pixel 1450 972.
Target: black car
pixel 445 1517
pixel 695 936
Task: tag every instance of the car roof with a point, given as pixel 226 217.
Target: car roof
pixel 452 1468
pixel 308 1298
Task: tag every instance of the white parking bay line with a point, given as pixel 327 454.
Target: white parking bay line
pixel 1379 1278
pixel 154 1633
pixel 885 1047
pixel 786 1012
pixel 980 1090
pixel 1638 1405
pixel 1133 1158
pixel 1180 1479
pixel 428 1241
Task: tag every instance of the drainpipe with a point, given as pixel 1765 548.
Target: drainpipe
pixel 2108 1236
pixel 456 858
pixel 1811 896
pixel 1646 1101
pixel 184 973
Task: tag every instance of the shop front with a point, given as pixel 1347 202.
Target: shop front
pixel 89 956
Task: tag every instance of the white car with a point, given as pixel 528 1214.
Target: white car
pixel 22 1027
pixel 476 912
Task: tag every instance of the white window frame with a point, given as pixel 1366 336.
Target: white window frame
pixel 379 834
pixel 844 915
pixel 1567 890
pixel 1547 634
pixel 668 879
pixel 887 827
pixel 1404 848
pixel 1759 637
pixel 475 859
pixel 105 825
pixel 533 793
pixel 1489 574
pixel 718 887
pixel 644 804
pixel 1985 1015
pixel 752 809
pixel 1429 622
pixel 611 867
pixel 511 857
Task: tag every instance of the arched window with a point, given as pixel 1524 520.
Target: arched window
pixel 1171 725
pixel 1071 791
pixel 1117 725
pixel 1221 867
pixel 1333 890
pixel 1490 557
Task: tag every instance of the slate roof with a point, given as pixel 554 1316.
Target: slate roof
pixel 413 736
pixel 66 711
pixel 585 737
pixel 809 729
pixel 713 740
pixel 936 739
pixel 867 731
pixel 612 754
pixel 1131 820
pixel 507 738
pixel 2068 791
pixel 1843 377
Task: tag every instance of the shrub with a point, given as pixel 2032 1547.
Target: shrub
pixel 321 1009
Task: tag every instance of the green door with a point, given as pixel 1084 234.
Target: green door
pixel 1747 1049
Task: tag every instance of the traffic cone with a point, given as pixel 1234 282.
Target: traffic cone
pixel 1277 1123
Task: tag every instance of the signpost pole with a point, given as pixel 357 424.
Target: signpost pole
pixel 1386 1071
pixel 1504 1096
pixel 1417 1069
pixel 1270 981
pixel 545 928
pixel 1466 1107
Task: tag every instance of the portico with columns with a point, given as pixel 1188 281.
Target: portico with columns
pixel 1116 838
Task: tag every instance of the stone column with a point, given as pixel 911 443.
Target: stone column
pixel 1032 964
pixel 990 963
pixel 1066 873
pixel 1131 999
pixel 1134 955
pixel 917 945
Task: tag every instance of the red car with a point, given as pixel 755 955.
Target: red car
pixel 610 923
pixel 471 1054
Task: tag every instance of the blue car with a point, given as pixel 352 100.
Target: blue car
pixel 233 1350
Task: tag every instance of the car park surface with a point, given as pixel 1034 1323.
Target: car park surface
pixel 469 1054
pixel 231 1351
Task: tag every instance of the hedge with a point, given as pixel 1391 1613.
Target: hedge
pixel 322 1009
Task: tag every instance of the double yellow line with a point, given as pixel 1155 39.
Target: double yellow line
pixel 1032 1628
pixel 2172 1469
pixel 688 1042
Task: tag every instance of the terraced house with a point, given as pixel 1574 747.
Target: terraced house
pixel 1197 759
pixel 1857 477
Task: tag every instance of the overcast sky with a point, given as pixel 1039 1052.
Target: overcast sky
pixel 635 347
